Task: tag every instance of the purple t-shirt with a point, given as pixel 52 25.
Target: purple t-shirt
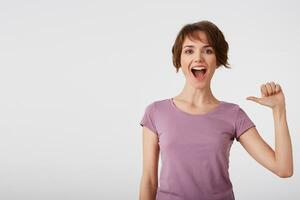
pixel 195 149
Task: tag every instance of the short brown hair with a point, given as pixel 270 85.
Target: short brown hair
pixel 215 38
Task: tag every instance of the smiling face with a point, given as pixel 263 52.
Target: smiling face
pixel 198 54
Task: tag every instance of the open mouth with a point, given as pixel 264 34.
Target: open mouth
pixel 199 72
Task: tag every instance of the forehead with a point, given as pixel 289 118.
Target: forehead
pixel 196 37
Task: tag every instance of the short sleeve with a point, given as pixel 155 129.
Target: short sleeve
pixel 148 118
pixel 242 123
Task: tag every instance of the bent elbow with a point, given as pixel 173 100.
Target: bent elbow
pixel 285 174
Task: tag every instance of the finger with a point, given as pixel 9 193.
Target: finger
pixel 269 89
pixel 263 90
pixel 273 86
pixel 252 98
pixel 278 88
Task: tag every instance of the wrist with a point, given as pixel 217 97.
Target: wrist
pixel 279 108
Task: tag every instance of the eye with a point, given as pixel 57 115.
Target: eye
pixel 209 51
pixel 188 51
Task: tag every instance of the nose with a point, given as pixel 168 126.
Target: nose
pixel 199 57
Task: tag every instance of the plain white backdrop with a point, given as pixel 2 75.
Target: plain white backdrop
pixel 76 77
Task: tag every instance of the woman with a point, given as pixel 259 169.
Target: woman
pixel 194 130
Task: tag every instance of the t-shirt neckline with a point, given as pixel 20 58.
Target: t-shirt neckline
pixel 195 115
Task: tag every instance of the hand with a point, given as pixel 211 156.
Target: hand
pixel 271 96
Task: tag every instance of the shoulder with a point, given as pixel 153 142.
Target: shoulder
pixel 234 110
pixel 231 106
pixel 237 111
pixel 156 104
pixel 161 107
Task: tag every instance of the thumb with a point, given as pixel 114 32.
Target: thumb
pixel 252 98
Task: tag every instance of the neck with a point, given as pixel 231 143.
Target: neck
pixel 197 96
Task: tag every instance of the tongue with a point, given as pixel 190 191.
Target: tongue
pixel 199 74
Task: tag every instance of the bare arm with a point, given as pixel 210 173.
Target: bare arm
pixel 283 145
pixel 279 161
pixel 149 179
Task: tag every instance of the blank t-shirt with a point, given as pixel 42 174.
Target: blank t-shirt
pixel 195 149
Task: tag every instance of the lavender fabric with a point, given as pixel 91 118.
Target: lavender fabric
pixel 195 149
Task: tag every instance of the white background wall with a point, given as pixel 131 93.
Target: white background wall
pixel 76 76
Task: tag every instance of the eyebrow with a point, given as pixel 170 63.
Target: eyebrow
pixel 194 46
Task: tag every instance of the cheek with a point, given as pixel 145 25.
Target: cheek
pixel 184 61
pixel 213 59
pixel 184 66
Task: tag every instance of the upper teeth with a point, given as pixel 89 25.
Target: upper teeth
pixel 198 68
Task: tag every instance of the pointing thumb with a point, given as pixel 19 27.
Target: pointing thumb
pixel 252 98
